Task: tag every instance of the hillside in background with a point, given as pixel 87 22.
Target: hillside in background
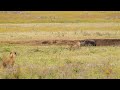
pixel 58 16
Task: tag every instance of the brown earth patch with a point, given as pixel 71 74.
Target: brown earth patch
pixel 107 42
pixel 99 42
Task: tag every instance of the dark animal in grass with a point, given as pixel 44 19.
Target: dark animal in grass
pixel 88 43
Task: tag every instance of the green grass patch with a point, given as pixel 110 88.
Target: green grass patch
pixel 59 62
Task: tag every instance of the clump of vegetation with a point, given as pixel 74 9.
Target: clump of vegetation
pixel 6 50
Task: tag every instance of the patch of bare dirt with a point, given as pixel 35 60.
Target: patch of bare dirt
pixel 99 42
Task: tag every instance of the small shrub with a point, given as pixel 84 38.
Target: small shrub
pixel 76 70
pixel 6 50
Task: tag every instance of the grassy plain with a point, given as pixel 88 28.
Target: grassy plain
pixel 58 62
pixel 58 16
pixel 50 62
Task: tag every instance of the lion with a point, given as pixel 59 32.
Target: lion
pixel 75 45
pixel 9 61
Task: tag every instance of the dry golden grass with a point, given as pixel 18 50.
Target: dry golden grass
pixel 59 27
pixel 60 35
pixel 58 16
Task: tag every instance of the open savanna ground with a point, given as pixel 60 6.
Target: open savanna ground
pixel 51 61
pixel 59 62
pixel 46 31
pixel 23 32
